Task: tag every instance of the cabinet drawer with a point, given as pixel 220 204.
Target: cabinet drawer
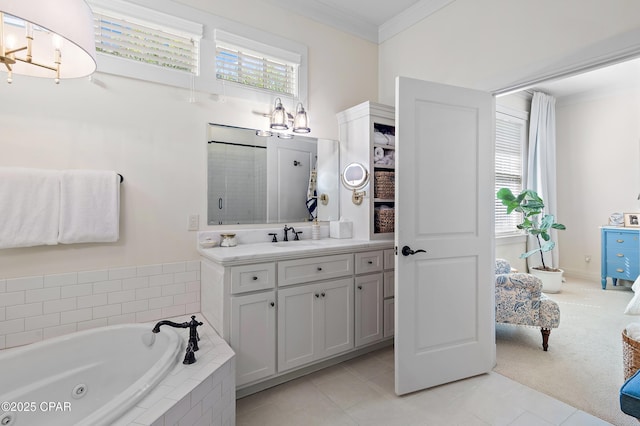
pixel 314 268
pixel 389 259
pixel 370 261
pixel 388 284
pixel 252 277
pixel 621 240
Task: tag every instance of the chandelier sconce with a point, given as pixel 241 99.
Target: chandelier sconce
pixel 282 120
pixel 47 39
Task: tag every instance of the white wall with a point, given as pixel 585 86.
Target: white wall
pixel 488 44
pixel 156 139
pixel 598 161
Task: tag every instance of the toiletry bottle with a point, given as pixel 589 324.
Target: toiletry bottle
pixel 315 230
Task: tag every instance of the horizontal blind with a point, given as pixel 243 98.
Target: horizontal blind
pixel 253 69
pixel 117 36
pixel 509 147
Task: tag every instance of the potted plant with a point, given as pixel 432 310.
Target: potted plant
pixel 538 224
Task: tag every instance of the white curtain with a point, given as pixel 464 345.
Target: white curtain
pixel 541 165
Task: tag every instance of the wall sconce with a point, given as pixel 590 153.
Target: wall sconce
pixel 35 36
pixel 282 120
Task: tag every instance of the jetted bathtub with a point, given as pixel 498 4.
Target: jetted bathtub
pixel 86 378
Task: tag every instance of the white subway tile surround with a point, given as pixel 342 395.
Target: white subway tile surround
pixel 40 307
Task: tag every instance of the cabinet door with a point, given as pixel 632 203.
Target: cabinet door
pixel 389 323
pixel 368 312
pixel 296 331
pixel 334 318
pixel 314 321
pixel 253 336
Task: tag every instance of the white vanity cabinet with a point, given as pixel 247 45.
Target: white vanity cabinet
pixel 315 321
pixel 288 311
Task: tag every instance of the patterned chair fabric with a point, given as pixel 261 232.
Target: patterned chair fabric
pixel 519 300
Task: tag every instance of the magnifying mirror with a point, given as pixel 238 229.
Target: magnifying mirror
pixel 355 177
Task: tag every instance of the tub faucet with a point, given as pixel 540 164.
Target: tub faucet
pixel 192 345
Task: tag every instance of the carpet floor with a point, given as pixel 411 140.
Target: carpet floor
pixel 583 366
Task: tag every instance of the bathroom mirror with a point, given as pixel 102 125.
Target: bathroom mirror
pixel 253 179
pixel 355 177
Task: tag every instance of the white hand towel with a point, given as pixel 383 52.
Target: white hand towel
pixel 89 206
pixel 29 207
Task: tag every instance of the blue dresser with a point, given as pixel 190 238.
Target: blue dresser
pixel 620 254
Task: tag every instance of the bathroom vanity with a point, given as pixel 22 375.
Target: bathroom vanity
pixel 288 306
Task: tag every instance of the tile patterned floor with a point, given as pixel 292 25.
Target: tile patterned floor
pixel 360 392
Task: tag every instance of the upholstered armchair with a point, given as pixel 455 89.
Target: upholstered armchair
pixel 520 301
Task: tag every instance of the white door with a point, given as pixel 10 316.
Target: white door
pixel 443 296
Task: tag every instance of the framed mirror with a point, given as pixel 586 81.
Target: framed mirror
pixel 254 179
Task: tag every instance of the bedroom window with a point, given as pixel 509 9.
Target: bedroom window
pixel 510 143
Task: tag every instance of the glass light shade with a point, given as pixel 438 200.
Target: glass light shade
pixel 72 20
pixel 301 121
pixel 279 116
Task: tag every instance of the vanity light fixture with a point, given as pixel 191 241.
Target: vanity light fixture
pixel 282 120
pixel 44 38
pixel 301 121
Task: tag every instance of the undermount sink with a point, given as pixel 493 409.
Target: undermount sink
pixel 291 244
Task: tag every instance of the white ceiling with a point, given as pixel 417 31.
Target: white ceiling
pixel 379 20
pixel 625 75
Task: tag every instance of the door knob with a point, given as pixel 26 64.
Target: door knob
pixel 406 251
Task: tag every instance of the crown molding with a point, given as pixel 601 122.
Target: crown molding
pixel 409 17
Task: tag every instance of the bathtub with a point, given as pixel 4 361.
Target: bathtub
pixel 86 378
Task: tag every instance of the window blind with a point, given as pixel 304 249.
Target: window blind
pixel 256 70
pixel 510 134
pixel 118 36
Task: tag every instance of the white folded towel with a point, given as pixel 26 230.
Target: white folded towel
pixel 89 206
pixel 380 138
pixel 378 153
pixel 29 207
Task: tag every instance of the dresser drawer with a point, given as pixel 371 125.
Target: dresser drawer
pixel 625 268
pixel 247 278
pixel 314 268
pixel 370 261
pixel 620 241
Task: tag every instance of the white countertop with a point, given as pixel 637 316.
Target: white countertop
pixel 246 253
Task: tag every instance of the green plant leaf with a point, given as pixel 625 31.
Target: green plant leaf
pixel 529 253
pixel 548 246
pixel 558 226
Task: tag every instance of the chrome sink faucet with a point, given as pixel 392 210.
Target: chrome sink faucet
pixel 192 345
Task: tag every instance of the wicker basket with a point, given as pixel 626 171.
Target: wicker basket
pixel 630 355
pixel 384 184
pixel 384 220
